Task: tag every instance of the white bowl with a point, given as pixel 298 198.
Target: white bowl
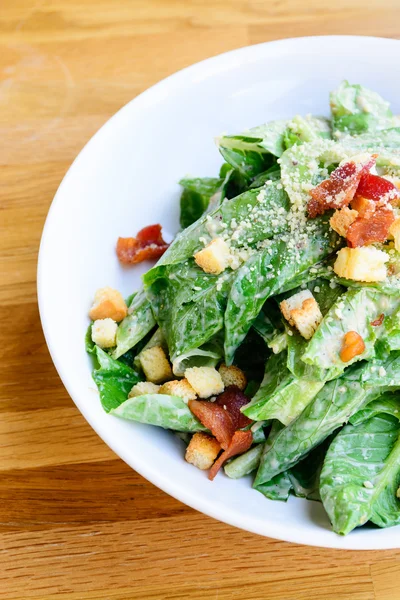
pixel 126 178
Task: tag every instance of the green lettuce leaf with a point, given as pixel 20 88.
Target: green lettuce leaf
pixel 196 196
pixel 306 129
pixel 245 463
pixel 356 109
pixel 281 396
pixel 361 475
pixel 263 275
pixel 188 304
pixel 139 322
pixel 388 403
pixel 354 311
pixel 333 406
pixel 253 151
pixel 254 215
pixel 169 412
pixel 114 380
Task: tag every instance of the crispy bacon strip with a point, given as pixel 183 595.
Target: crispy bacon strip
pixel 232 400
pixel 148 244
pixel 241 442
pixel 223 416
pixel 339 190
pixel 374 229
pixel 215 418
pixel 373 187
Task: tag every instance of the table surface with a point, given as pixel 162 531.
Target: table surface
pixel 75 521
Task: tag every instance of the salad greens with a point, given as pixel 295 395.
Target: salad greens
pixel 322 424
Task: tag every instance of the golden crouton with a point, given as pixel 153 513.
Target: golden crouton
pixel 202 451
pixel 364 206
pixel 214 258
pixel 108 304
pixel 104 333
pixel 155 365
pixel 361 264
pixel 142 388
pixel 206 381
pixel 233 376
pixel 303 312
pixel 179 387
pixel 341 220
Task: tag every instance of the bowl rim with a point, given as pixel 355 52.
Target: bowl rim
pixel 156 477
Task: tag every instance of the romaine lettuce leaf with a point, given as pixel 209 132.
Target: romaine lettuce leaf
pixel 388 403
pixel 361 475
pixel 264 274
pixel 114 380
pixel 281 396
pixel 305 476
pixel 135 326
pixel 245 463
pixel 196 196
pixel 188 303
pixel 252 152
pixel 356 109
pixel 162 410
pixel 208 355
pixel 306 129
pixel 254 215
pixel 333 406
pixel 354 311
pixel 279 487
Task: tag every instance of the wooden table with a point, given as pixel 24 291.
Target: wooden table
pixel 76 522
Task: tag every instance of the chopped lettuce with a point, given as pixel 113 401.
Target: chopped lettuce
pixel 359 480
pixel 333 406
pixel 113 379
pixel 356 109
pixel 169 412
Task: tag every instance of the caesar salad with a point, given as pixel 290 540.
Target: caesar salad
pixel 267 335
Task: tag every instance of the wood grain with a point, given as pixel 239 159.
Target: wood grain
pixel 76 522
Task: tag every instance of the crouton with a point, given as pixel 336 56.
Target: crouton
pixel 232 376
pixel 303 312
pixel 179 387
pixel 142 388
pixel 202 451
pixel 294 301
pixel 361 264
pixel 214 258
pixel 108 304
pixel 395 232
pixel 155 365
pixel 104 333
pixel 341 220
pixel 206 381
pixel 364 206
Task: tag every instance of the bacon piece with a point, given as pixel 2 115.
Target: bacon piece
pixel 148 244
pixel 241 442
pixel 339 190
pixel 378 321
pixel 367 231
pixel 373 187
pixel 223 416
pixel 215 418
pixel 232 400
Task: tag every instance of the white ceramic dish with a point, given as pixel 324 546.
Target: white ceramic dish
pixel 125 178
